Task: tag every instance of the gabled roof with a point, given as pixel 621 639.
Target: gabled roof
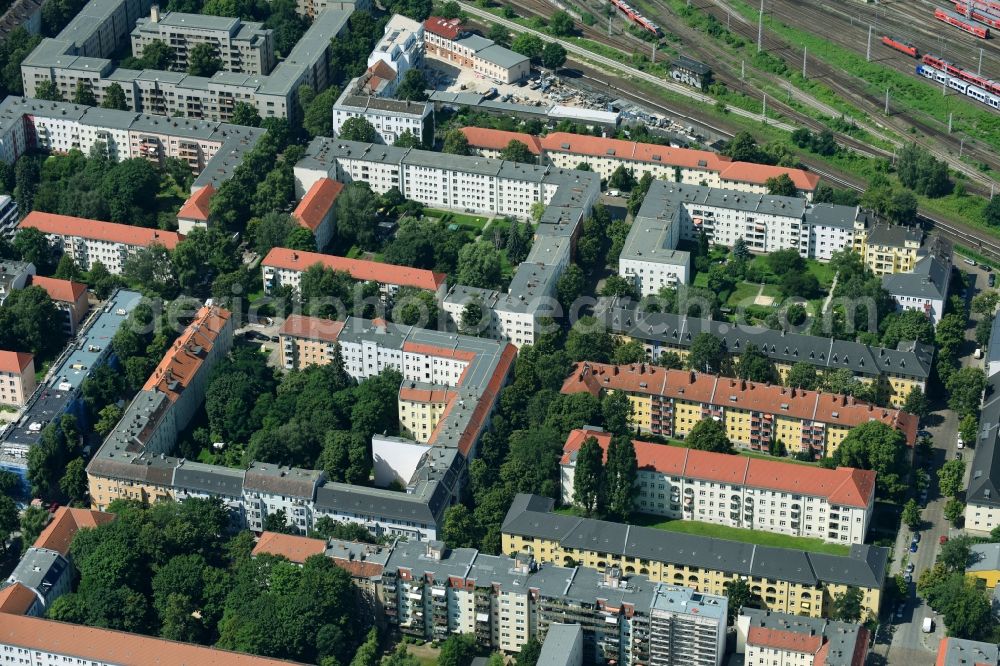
pixel 784 640
pixel 447 28
pixel 64 291
pixel 14 362
pixel 184 359
pixel 360 269
pixel 16 599
pixel 197 205
pixel 758 174
pixel 317 202
pixel 494 139
pixel 64 225
pixel 58 534
pixel 312 328
pixel 595 146
pixel 292 547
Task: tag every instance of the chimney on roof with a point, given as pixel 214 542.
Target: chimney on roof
pixel 154 14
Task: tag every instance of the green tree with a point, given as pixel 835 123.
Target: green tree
pixel 516 151
pixel 84 95
pixel 589 478
pixel 622 178
pixel 743 148
pixel 501 36
pixel 907 325
pixel 74 484
pixel 110 415
pixel 621 472
pixel 877 446
pixel 8 520
pixel 528 45
pixel 968 428
pixel 917 403
pixel 451 10
pixel 587 340
pixel 459 528
pixel 803 375
pixel 781 186
pixel 479 265
pixel 358 129
pixel 368 652
pixel 848 606
pixel 473 320
pixel 617 411
pixel 114 98
pixel 985 303
pixel 155 55
pixel 965 390
pixel 203 60
pixel 245 114
pixel 31 322
pixel 707 354
pixel 920 171
pixel 48 91
pixel 756 366
pixel 413 87
pixel 457 650
pixel 32 246
pixel 407 140
pixel 954 511
pixel 456 143
pixel 561 24
pixel 709 435
pixel 33 521
pixel 570 285
pixel 991 214
pixel 530 651
pixel 553 56
pixel 740 595
pixel 317 117
pixel 786 261
pixel 912 514
pixel 10 483
pixel 68 270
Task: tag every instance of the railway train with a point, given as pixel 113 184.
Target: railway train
pixel 905 47
pixel 989 7
pixel 964 87
pixel 637 17
pixel 978 14
pixel 960 22
pixel 967 76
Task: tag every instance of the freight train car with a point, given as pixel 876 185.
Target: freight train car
pixel 636 17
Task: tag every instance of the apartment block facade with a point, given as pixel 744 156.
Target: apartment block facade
pixel 897 371
pixel 448 42
pixel 783 580
pixel 70 297
pixel 767 639
pixel 90 241
pixel 671 402
pixel 890 249
pixel 242 47
pixel 17 378
pixel 768 495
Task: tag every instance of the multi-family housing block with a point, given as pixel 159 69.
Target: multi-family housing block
pixel 563 646
pixel 768 495
pixel 401 48
pixel 671 402
pixel 781 579
pixel 898 370
pixel 481 185
pixel 14 275
pixel 17 377
pixel 89 241
pixel 70 297
pixel 962 652
pixel 890 249
pixel 306 341
pixel 447 41
pixel 8 215
pixel 684 166
pixel 767 639
pixel 134 461
pixel 60 392
pixel 212 149
pixel 925 288
pixel 429 591
pixel 241 47
pixel 982 503
pixel 82 54
pixel 315 211
pixel 283 267
pixel 672 212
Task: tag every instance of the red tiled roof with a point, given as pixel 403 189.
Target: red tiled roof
pixel 447 28
pixel 117 647
pixel 317 202
pixel 64 225
pixel 483 408
pixel 359 269
pixel 313 328
pixel 183 360
pixel 197 205
pixel 727 392
pixel 412 394
pixel 382 70
pixel 748 172
pixel 16 599
pixel 359 568
pixel 59 533
pixel 432 350
pixel 784 640
pixel 843 486
pixel 14 362
pixel 64 291
pixel 595 146
pixel 295 548
pixel 493 139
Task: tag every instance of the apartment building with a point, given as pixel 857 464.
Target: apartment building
pixel 315 211
pixel 89 241
pixel 961 652
pixel 777 639
pixel 307 341
pixel 482 185
pixel 446 41
pixel 671 402
pixel 283 267
pixel 212 149
pixel 769 495
pixel 888 249
pixel 17 378
pixel 563 646
pixel 8 215
pixel 684 166
pixel 391 118
pixel 243 48
pixel 401 48
pixel 782 579
pixel 982 498
pixel 491 142
pixel 70 297
pixel 14 275
pixel 898 370
pixel 925 288
pixel 83 53
pixel 60 393
pixel 45 572
pixel 195 210
pixel 135 462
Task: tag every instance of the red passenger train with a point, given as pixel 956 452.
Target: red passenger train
pixel 960 22
pixel 908 49
pixel 954 70
pixel 637 17
pixel 981 15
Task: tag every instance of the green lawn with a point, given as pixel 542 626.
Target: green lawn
pixel 743 294
pixel 473 223
pixel 736 534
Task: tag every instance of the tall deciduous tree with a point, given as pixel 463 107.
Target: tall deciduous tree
pixel 203 61
pixel 621 472
pixel 709 435
pixel 588 477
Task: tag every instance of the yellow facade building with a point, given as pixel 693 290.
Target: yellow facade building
pixel 985 566
pixel 890 249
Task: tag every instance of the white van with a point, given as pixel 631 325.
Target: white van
pixel 928 625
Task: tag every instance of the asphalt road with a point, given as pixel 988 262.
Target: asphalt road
pixel 909 646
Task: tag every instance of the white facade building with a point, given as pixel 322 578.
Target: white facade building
pixel 778 639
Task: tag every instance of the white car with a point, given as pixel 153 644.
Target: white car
pixel 960 444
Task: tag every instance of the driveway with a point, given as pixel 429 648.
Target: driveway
pixel 273 349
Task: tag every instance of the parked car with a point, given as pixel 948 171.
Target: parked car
pixel 913 546
pixel 958 455
pixel 908 578
pixel 943 539
pixel 928 625
pixel 924 433
pixel 991 279
pixel 910 567
pixel 971 262
pixel 916 537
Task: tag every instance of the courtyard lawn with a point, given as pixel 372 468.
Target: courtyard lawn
pixel 757 537
pixel 743 294
pixel 473 223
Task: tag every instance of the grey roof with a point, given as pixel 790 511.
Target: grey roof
pixel 961 652
pixel 865 566
pixel 474 42
pixel 195 21
pixel 984 557
pixel 501 57
pixel 279 480
pixel 929 279
pixel 993 353
pixel 212 480
pixel 909 359
pixel 682 600
pixel 373 504
pixel 841 637
pixel 560 640
pixel 893 235
pixel 833 215
pixel 984 477
pixel 39 569
pixel 649 238
pixel 691 64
